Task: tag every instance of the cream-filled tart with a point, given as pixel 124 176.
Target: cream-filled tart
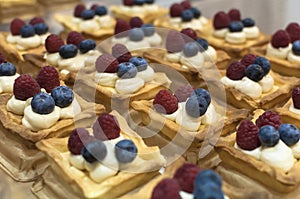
pixel 108 162
pixel 8 74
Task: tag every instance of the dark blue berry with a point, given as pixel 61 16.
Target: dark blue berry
pixel 187 15
pixel 196 12
pixel 190 49
pixel 101 10
pixel 207 176
pixel 68 51
pixel 296 47
pixel 94 151
pixel 289 134
pixel 7 69
pixel 248 22
pixel 149 1
pixel 139 2
pixel 126 70
pixel 136 34
pixel 268 136
pixel 208 191
pixel 27 31
pixel 264 63
pixel 40 28
pixel 200 92
pixel 236 26
pixel 42 103
pixel 139 62
pixel 125 151
pixel 148 29
pixel 87 45
pixel 203 44
pixel 88 14
pixel 196 106
pixel 63 96
pixel 255 72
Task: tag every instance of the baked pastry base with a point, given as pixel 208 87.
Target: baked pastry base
pixel 59 181
pixel 288 116
pixel 281 66
pixel 49 3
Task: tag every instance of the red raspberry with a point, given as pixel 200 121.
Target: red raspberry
pixel 165 102
pixel 79 8
pixel 25 87
pixel 136 22
pixel 172 46
pixel 166 189
pixel 94 6
pixel 293 29
pixel 74 38
pixel 175 10
pixel 106 127
pixel 121 52
pixel 36 20
pixel 221 20
pixel 190 33
pixel 269 118
pixel 78 138
pixel 2 58
pixel 234 15
pixel 247 135
pixel 106 63
pixel 121 28
pixel 124 58
pixel 183 92
pixel 48 78
pixel 186 175
pixel 53 43
pixel 280 39
pixel 248 59
pixel 236 71
pixel 128 2
pixel 16 25
pixel 186 4
pixel 296 97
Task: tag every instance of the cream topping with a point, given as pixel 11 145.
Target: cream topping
pixel 173 57
pixel 251 32
pixel 129 86
pixel 71 110
pixel 293 58
pixel 235 37
pixel 249 87
pixel 153 40
pixel 210 115
pixel 28 42
pixel 106 79
pixel 104 21
pixel 254 153
pixel 293 109
pixel 147 75
pixel 221 33
pixel 17 106
pixel 173 116
pixel 280 53
pixel 296 150
pixel 134 45
pixel 186 195
pixel 88 26
pixel 7 83
pixel 210 54
pixel 121 40
pixel 196 61
pixel 266 83
pixel 52 58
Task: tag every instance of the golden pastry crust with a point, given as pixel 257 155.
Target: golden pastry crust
pixel 80 185
pixel 286 115
pixel 62 127
pixel 267 100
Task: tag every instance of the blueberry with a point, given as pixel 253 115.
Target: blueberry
pixel 187 15
pixel 196 12
pixel 94 151
pixel 148 29
pixel 139 2
pixel 68 51
pixel 200 92
pixel 40 28
pixel 207 176
pixel 136 34
pixel 101 10
pixel 236 26
pixel 63 96
pixel 289 134
pixel 190 49
pixel 296 47
pixel 196 106
pixel 42 103
pixel 7 69
pixel 268 136
pixel 87 45
pixel 203 44
pixel 149 1
pixel 27 31
pixel 88 14
pixel 248 22
pixel 126 70
pixel 208 191
pixel 264 63
pixel 255 72
pixel 139 62
pixel 125 151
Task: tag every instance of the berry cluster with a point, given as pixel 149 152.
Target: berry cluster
pixel 185 11
pixel 82 12
pixel 255 68
pixel 137 2
pixel 36 25
pixel 92 147
pixel 75 41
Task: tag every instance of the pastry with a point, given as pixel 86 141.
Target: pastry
pixel 8 74
pixel 283 50
pixel 235 36
pixel 148 11
pixel 271 162
pixel 251 84
pixel 93 22
pixel 182 15
pixel 113 173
